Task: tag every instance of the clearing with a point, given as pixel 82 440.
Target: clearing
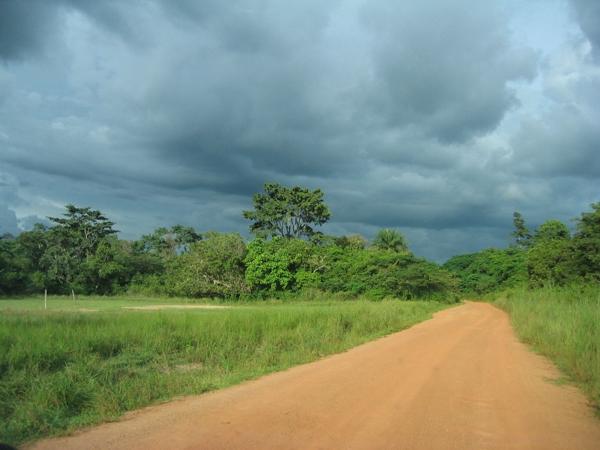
pixel 458 381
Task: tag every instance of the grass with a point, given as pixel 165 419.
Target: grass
pixel 564 325
pixel 57 303
pixel 61 369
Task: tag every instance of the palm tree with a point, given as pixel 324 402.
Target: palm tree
pixel 390 239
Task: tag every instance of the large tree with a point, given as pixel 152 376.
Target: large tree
pixel 74 239
pixel 287 212
pixel 83 229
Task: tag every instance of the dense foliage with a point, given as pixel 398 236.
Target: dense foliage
pixel 287 212
pixel 548 256
pixel 80 253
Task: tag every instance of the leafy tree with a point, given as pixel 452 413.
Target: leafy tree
pixel 213 267
pixel 521 234
pixel 489 270
pixel 351 241
pixel 287 212
pixel 60 263
pixel 58 255
pixel 168 242
pixel 389 239
pixel 33 245
pixel 586 243
pixel 108 270
pixel 83 228
pixel 550 258
pixel 280 264
pixel 551 230
pixel 380 273
pixel 551 261
pixel 13 276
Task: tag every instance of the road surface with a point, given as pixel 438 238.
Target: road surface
pixel 458 381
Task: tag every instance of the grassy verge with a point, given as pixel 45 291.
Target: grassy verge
pixel 61 369
pixel 564 325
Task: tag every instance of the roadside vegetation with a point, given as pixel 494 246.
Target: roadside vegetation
pixel 549 283
pixel 80 254
pixel 562 323
pixel 61 369
pixel 296 294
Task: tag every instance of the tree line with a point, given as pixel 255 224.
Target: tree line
pixel 80 252
pixel 549 255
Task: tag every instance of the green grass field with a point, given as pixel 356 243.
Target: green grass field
pixel 87 361
pixel 564 325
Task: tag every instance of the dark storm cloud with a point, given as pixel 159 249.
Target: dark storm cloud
pixel 159 112
pixel 281 108
pixel 432 75
pixel 111 14
pixel 29 27
pixel 543 149
pixel 25 26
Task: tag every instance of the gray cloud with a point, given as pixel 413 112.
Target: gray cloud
pixel 543 149
pixel 8 221
pixel 432 75
pixel 588 15
pixel 25 26
pixel 417 116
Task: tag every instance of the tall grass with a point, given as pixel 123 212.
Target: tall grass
pixel 564 325
pixel 61 371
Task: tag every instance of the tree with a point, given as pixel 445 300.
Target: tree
pixel 351 241
pixel 13 274
pixel 389 239
pixel 489 270
pixel 274 265
pixel 287 212
pixel 33 245
pixel 59 264
pixel 168 242
pixel 551 230
pixel 550 257
pixel 550 261
pixel 84 228
pixel 586 243
pixel 213 267
pixel 521 234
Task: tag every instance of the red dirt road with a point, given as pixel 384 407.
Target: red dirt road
pixel 458 381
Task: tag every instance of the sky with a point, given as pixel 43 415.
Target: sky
pixel 436 117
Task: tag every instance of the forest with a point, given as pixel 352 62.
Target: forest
pixel 80 254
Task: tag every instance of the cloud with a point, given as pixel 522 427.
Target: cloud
pixel 25 26
pixel 431 75
pixel 588 15
pixel 432 117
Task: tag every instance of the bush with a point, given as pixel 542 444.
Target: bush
pixel 213 267
pixel 489 270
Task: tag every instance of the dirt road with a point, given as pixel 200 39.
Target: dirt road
pixel 458 381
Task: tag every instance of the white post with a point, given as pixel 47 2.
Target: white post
pixel 73 294
pixel 45 298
